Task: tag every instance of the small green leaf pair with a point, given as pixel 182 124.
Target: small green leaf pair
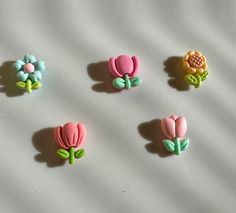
pixel 71 154
pixel 196 78
pixel 176 146
pixel 28 85
pixel 126 82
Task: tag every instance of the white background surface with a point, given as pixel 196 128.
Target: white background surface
pixel 125 169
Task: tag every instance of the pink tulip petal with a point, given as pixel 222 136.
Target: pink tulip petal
pixel 70 134
pixel 180 127
pixel 112 68
pixel 174 117
pixel 81 135
pixel 125 65
pixel 136 66
pixel 168 127
pixel 58 137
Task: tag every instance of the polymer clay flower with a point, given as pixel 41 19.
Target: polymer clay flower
pixel 70 138
pixel 29 73
pixel 174 128
pixel 124 68
pixel 195 65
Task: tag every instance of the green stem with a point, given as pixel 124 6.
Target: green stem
pixel 127 81
pixel 199 80
pixel 71 155
pixel 177 146
pixel 28 86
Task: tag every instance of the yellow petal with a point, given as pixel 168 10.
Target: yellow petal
pixel 204 58
pixel 200 70
pixel 191 70
pixel 191 53
pixel 186 57
pixel 186 65
pixel 204 66
pixel 198 53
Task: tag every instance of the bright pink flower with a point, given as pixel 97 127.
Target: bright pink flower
pixel 70 135
pixel 122 65
pixel 174 126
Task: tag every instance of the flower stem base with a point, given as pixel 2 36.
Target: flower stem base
pixel 176 145
pixel 196 79
pixel 126 82
pixel 28 85
pixel 70 154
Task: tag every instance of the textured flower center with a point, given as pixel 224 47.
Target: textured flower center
pixel 195 61
pixel 29 68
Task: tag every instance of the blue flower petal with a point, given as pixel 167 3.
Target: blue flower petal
pixel 18 65
pixel 40 66
pixel 36 76
pixel 29 59
pixel 22 76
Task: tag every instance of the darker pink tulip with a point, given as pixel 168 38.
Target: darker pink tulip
pixel 70 135
pixel 174 126
pixel 122 65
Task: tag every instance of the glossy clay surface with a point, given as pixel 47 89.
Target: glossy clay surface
pixel 125 169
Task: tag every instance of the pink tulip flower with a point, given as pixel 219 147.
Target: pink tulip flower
pixel 174 128
pixel 70 138
pixel 124 64
pixel 124 68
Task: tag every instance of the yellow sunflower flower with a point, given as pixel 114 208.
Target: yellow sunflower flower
pixel 194 62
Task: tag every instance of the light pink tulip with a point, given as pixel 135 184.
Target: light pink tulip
pixel 70 135
pixel 122 65
pixel 174 126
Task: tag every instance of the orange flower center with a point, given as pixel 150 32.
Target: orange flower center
pixel 195 61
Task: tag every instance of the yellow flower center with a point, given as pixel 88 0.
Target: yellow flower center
pixel 195 61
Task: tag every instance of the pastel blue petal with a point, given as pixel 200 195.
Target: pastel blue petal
pixel 18 65
pixel 36 76
pixel 40 66
pixel 29 59
pixel 22 76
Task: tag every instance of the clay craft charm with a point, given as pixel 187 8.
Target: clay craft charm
pixel 29 73
pixel 70 138
pixel 195 65
pixel 124 68
pixel 174 128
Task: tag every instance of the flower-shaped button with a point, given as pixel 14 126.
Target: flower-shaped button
pixel 195 65
pixel 29 73
pixel 124 68
pixel 174 128
pixel 70 138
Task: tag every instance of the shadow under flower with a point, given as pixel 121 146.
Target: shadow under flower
pixel 173 66
pixel 99 72
pixel 8 80
pixel 151 131
pixel 44 142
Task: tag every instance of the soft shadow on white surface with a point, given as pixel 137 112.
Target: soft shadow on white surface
pixel 151 131
pixel 99 73
pixel 173 67
pixel 44 142
pixel 8 80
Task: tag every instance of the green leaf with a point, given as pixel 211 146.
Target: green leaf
pixel 79 153
pixel 63 153
pixel 204 75
pixel 20 84
pixel 135 81
pixel 119 83
pixel 36 85
pixel 169 145
pixel 184 144
pixel 191 79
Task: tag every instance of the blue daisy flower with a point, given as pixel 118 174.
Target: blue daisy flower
pixel 29 72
